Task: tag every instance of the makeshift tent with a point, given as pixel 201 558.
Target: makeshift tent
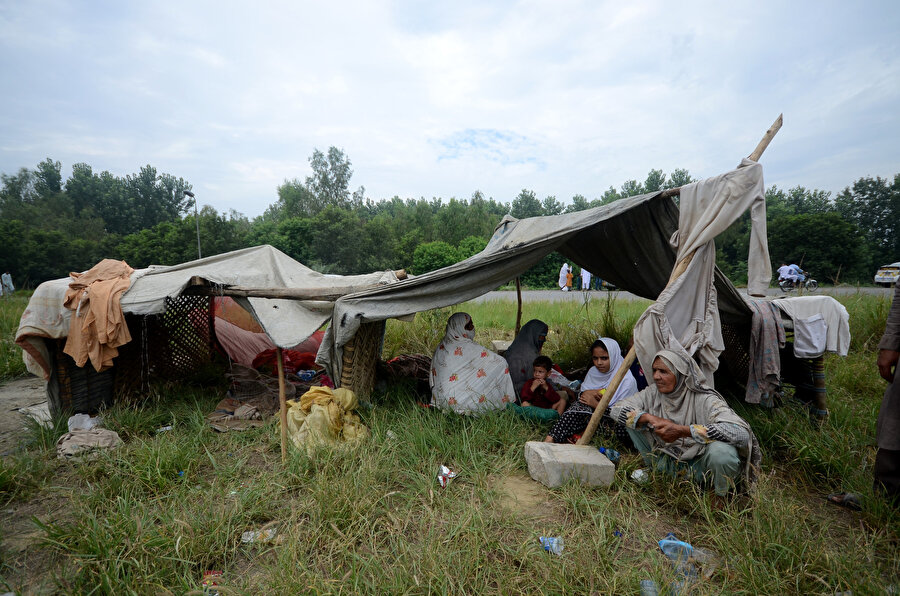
pixel 169 313
pixel 626 242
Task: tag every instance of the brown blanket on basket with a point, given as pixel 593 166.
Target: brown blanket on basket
pixel 98 326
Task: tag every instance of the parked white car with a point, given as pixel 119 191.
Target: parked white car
pixel 888 274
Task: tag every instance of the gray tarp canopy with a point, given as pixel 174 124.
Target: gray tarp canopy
pixel 286 321
pixel 626 242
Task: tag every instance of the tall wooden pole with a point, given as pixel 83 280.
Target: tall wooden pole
pixel 519 301
pixel 679 269
pixel 283 403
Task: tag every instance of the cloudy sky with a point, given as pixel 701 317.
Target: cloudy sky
pixel 439 99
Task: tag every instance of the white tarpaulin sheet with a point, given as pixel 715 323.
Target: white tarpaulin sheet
pixel 685 316
pixel 286 322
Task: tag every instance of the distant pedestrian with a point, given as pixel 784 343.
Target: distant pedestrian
pixel 563 277
pixel 6 280
pixel 585 279
pixel 570 277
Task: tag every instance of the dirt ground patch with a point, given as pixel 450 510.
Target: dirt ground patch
pixel 20 393
pixel 527 497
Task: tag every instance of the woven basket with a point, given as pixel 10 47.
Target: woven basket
pixel 360 356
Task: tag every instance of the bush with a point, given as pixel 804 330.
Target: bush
pixel 433 255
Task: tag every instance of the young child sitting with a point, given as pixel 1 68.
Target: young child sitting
pixel 538 391
pixel 606 358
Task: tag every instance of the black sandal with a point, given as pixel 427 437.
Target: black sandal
pixel 847 500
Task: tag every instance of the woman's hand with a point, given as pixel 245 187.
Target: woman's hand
pixel 665 429
pixel 590 397
pixel 668 431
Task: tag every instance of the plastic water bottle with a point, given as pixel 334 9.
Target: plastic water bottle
pixel 552 544
pixel 649 588
pixel 611 454
pixel 679 553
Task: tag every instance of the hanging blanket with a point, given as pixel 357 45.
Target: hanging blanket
pixel 764 369
pixel 98 326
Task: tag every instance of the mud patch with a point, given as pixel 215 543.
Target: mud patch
pixel 20 393
pixel 525 496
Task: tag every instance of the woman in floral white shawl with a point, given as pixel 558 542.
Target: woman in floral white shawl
pixel 466 377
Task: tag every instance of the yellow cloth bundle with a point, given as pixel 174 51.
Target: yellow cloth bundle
pixel 324 417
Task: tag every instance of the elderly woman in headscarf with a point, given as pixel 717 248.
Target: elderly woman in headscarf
pixel 606 358
pixel 524 349
pixel 466 377
pixel 681 425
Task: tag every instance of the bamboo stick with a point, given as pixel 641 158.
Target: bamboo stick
pixel 757 153
pixel 283 403
pixel 677 271
pixel 519 309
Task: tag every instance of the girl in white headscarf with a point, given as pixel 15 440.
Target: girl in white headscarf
pixel 680 424
pixel 466 377
pixel 606 358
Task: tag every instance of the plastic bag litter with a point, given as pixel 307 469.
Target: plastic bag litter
pixel 263 535
pixel 444 475
pixel 83 422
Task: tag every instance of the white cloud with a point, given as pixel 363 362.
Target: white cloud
pixel 443 99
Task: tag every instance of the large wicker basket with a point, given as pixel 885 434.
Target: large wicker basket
pixel 360 357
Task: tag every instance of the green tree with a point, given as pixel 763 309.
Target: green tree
pixel 526 204
pixel 296 200
pixel 550 206
pixel 337 241
pixel 155 197
pixel 609 195
pixel 48 178
pixel 579 203
pixel 873 204
pixel 825 244
pixel 451 221
pixel 330 180
pixel 631 188
pixel 471 245
pixel 656 180
pixel 433 255
pixel 679 178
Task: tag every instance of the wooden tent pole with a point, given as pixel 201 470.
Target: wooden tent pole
pixel 677 271
pixel 757 153
pixel 279 356
pixel 519 301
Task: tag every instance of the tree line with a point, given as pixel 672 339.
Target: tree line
pixel 50 226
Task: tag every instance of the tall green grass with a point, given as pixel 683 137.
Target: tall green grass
pixel 11 309
pixel 152 516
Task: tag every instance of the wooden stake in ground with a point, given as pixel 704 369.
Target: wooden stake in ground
pixel 519 309
pixel 677 271
pixel 279 356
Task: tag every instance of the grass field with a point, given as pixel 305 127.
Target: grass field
pixel 151 517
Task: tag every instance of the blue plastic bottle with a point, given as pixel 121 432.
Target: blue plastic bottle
pixel 611 454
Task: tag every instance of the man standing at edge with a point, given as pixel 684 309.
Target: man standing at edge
pixel 887 429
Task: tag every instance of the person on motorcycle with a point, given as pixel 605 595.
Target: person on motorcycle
pixel 799 273
pixel 787 272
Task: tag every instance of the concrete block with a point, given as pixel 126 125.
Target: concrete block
pixel 500 345
pixel 553 464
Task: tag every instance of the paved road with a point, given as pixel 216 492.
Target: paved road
pixel 578 295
